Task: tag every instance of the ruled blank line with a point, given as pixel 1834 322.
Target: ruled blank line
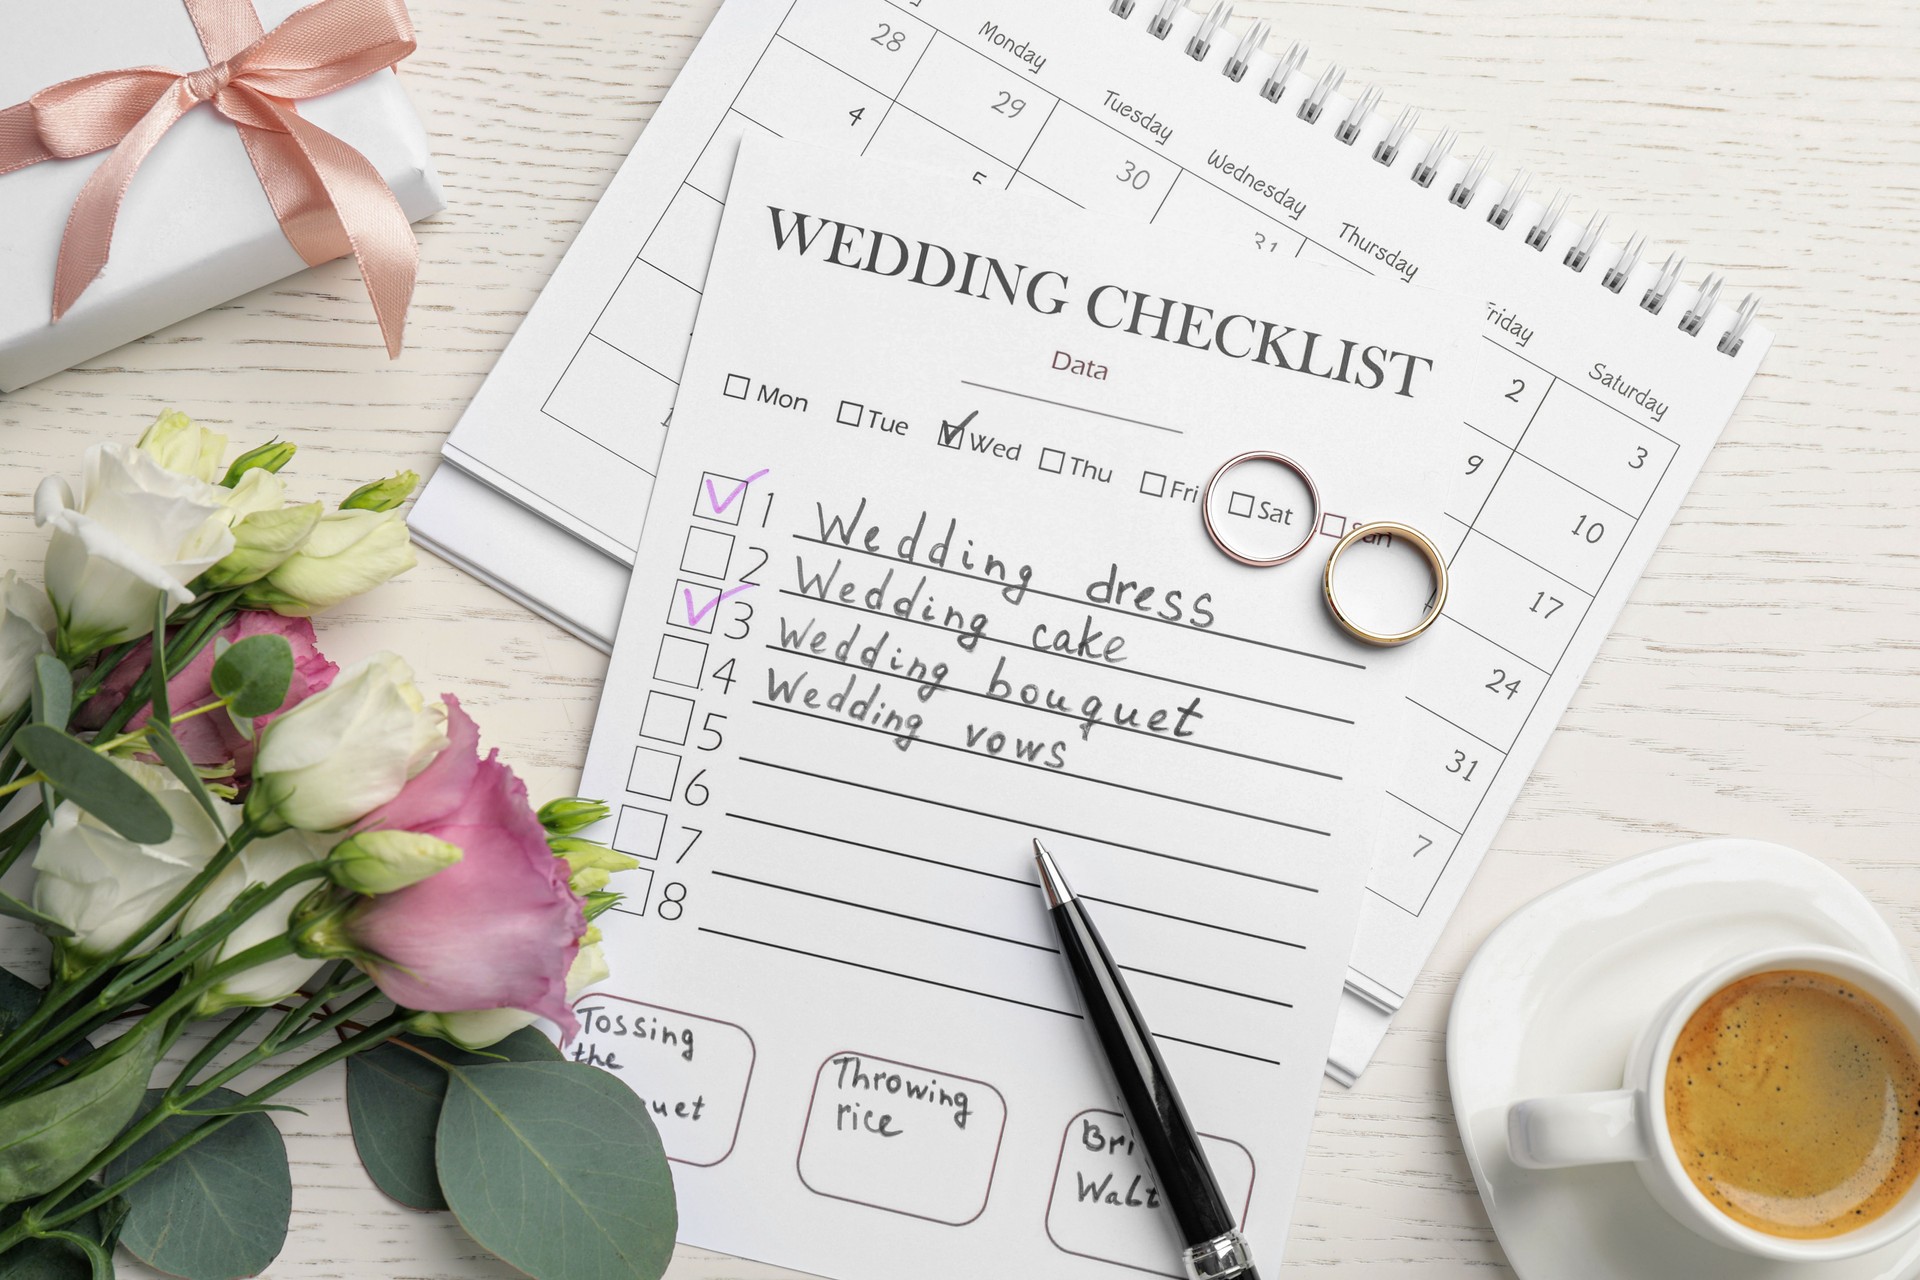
pixel 884 911
pixel 1036 826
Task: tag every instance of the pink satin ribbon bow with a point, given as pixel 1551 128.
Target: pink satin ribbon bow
pixel 329 199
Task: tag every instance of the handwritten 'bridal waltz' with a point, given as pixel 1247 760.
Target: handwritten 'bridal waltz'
pixel 244 857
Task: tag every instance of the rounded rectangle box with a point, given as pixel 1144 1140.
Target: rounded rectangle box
pixel 907 1139
pixel 691 1072
pixel 1105 1204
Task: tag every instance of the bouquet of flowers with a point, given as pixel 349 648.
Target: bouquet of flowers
pixel 249 860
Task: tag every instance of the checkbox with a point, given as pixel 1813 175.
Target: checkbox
pixel 666 717
pixel 851 414
pixel 1153 484
pixel 708 552
pixel 952 434
pixel 654 773
pixel 722 498
pixel 638 831
pixel 681 661
pixel 737 386
pixel 695 605
pixel 1333 526
pixel 1052 460
pixel 1239 504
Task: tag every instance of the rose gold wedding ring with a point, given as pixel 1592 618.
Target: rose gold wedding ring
pixel 1435 561
pixel 1220 540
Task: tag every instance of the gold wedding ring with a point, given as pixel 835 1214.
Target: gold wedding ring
pixel 1435 561
pixel 1220 539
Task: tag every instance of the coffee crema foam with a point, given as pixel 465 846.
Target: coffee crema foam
pixel 1793 1101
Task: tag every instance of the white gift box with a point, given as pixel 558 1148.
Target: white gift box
pixel 195 229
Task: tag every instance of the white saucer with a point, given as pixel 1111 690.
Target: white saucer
pixel 1551 1004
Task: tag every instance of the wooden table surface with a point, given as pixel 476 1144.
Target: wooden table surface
pixel 1761 682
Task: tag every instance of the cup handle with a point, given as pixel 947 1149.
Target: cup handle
pixel 1576 1129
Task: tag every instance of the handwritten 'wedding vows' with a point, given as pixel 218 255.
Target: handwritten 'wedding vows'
pixel 924 577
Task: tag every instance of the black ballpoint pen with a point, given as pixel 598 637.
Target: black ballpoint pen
pixel 1215 1249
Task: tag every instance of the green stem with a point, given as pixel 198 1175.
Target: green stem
pixel 51 1042
pixel 21 784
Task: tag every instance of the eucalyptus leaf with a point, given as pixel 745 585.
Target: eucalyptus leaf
pixel 393 1103
pixel 216 1211
pixel 57 1259
pixel 18 910
pixel 95 784
pixel 18 999
pixel 254 673
pixel 52 691
pixel 46 1138
pixel 557 1168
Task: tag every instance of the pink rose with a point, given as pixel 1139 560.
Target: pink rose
pixel 211 740
pixel 497 930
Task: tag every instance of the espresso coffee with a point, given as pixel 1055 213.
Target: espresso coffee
pixel 1792 1101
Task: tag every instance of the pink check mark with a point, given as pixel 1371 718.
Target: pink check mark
pixel 720 504
pixel 695 615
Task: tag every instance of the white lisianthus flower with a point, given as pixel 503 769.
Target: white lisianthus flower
pixel 261 863
pixel 136 532
pixel 103 886
pixel 265 529
pixel 176 443
pixel 478 1028
pixel 26 632
pixel 347 553
pixel 346 750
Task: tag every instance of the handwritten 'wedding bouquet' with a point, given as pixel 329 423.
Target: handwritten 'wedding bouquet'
pixel 249 860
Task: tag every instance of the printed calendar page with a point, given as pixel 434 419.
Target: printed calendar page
pixel 1592 418
pixel 925 578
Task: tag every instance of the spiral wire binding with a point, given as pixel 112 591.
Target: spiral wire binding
pixel 1543 230
pixel 1202 39
pixel 1163 20
pixel 1462 194
pixel 1387 152
pixel 1362 108
pixel 1290 61
pixel 1578 256
pixel 1388 149
pixel 1425 172
pixel 1323 88
pixel 1502 212
pixel 1250 43
pixel 1629 259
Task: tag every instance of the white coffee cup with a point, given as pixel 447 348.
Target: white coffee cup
pixel 1630 1123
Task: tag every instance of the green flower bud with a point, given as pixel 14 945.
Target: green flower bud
pixel 381 495
pixel 598 904
pixel 271 456
pixel 571 814
pixel 384 861
pixel 177 444
pixel 583 855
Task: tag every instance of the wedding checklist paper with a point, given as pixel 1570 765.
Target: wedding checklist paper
pixel 924 578
pixel 1586 430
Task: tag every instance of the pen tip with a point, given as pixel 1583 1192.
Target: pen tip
pixel 1051 880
